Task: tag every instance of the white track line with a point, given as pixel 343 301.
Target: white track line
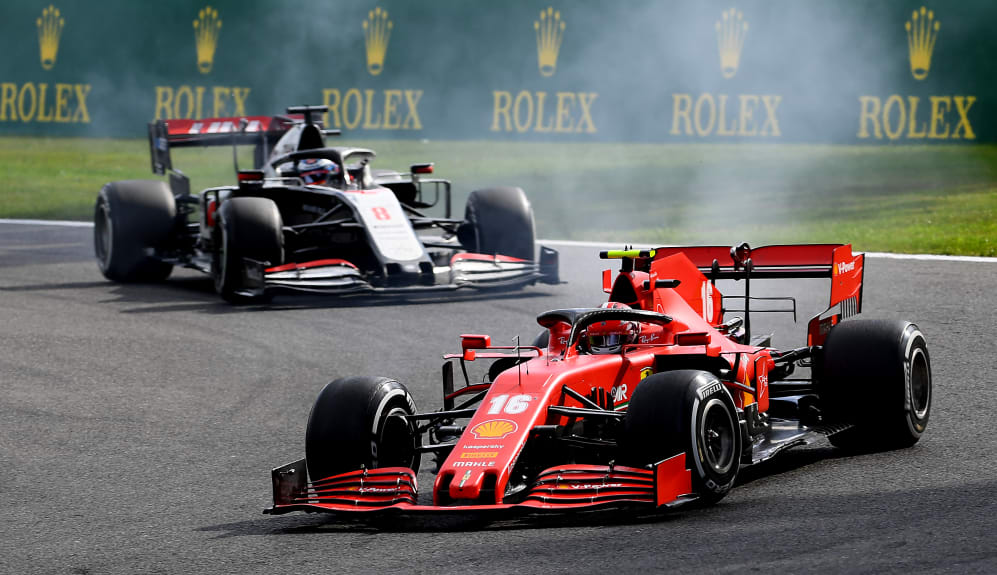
pixel 571 243
pixel 62 223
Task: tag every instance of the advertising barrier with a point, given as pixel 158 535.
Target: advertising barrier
pixel 806 71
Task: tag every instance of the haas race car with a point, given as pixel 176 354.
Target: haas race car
pixel 310 217
pixel 655 399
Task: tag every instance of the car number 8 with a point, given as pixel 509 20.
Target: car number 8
pixel 513 405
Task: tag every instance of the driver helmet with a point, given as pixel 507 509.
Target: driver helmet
pixel 610 336
pixel 317 171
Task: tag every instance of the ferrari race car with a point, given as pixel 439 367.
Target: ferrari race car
pixel 655 399
pixel 310 218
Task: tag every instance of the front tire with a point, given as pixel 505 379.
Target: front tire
pixel 132 220
pixel 499 221
pixel 876 375
pixel 245 228
pixel 691 412
pixel 358 422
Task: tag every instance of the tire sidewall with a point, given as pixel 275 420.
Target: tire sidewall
pixel 916 410
pixel 500 222
pixel 665 417
pixel 347 423
pixel 713 397
pixel 132 219
pixel 244 227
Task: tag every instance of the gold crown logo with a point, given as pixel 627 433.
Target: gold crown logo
pixel 550 32
pixel 922 31
pixel 206 29
pixel 49 31
pixel 731 30
pixel 495 429
pixel 377 32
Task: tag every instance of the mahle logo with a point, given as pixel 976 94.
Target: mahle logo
pixel 550 32
pixel 922 32
pixel 206 30
pixel 377 33
pixel 731 30
pixel 49 31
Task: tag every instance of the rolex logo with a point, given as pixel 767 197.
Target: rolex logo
pixel 922 31
pixel 731 30
pixel 377 32
pixel 550 32
pixel 49 31
pixel 206 29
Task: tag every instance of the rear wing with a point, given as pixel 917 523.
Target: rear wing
pixel 245 130
pixel 832 261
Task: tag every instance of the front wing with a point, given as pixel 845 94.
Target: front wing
pixel 667 484
pixel 342 277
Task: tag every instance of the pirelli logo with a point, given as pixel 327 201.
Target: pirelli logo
pixel 709 390
pixel 479 455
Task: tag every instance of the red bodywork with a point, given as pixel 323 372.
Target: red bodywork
pixel 523 400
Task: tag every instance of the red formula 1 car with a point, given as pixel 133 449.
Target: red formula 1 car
pixel 653 399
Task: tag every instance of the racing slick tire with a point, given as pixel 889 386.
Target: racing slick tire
pixel 876 375
pixel 245 228
pixel 499 221
pixel 132 220
pixel 357 422
pixel 691 412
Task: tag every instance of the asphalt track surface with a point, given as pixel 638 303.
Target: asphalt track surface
pixel 139 424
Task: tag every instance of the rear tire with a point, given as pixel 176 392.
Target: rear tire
pixel 356 422
pixel 245 228
pixel 499 221
pixel 131 219
pixel 691 412
pixel 876 375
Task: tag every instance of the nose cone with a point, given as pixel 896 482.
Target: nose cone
pixel 468 485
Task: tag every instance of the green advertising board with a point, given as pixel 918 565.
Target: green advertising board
pixel 894 71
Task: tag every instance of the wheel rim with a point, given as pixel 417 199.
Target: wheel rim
pixel 102 235
pixel 394 446
pixel 716 436
pixel 219 259
pixel 920 383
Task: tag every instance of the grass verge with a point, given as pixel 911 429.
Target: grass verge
pixel 921 199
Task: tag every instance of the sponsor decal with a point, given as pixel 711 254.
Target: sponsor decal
pixel 377 32
pixel 727 115
pixel 539 111
pixel 731 30
pixel 49 31
pixel 843 267
pixel 207 26
pixel 61 103
pixel 478 454
pixel 377 490
pixel 709 390
pixel 922 32
pixel 494 429
pixel 474 464
pixel 190 102
pixel 588 485
pixel 550 32
pixel 473 446
pixel 909 117
pixel 619 393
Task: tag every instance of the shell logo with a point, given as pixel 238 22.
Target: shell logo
pixel 494 429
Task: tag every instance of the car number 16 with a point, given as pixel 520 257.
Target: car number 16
pixel 512 404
